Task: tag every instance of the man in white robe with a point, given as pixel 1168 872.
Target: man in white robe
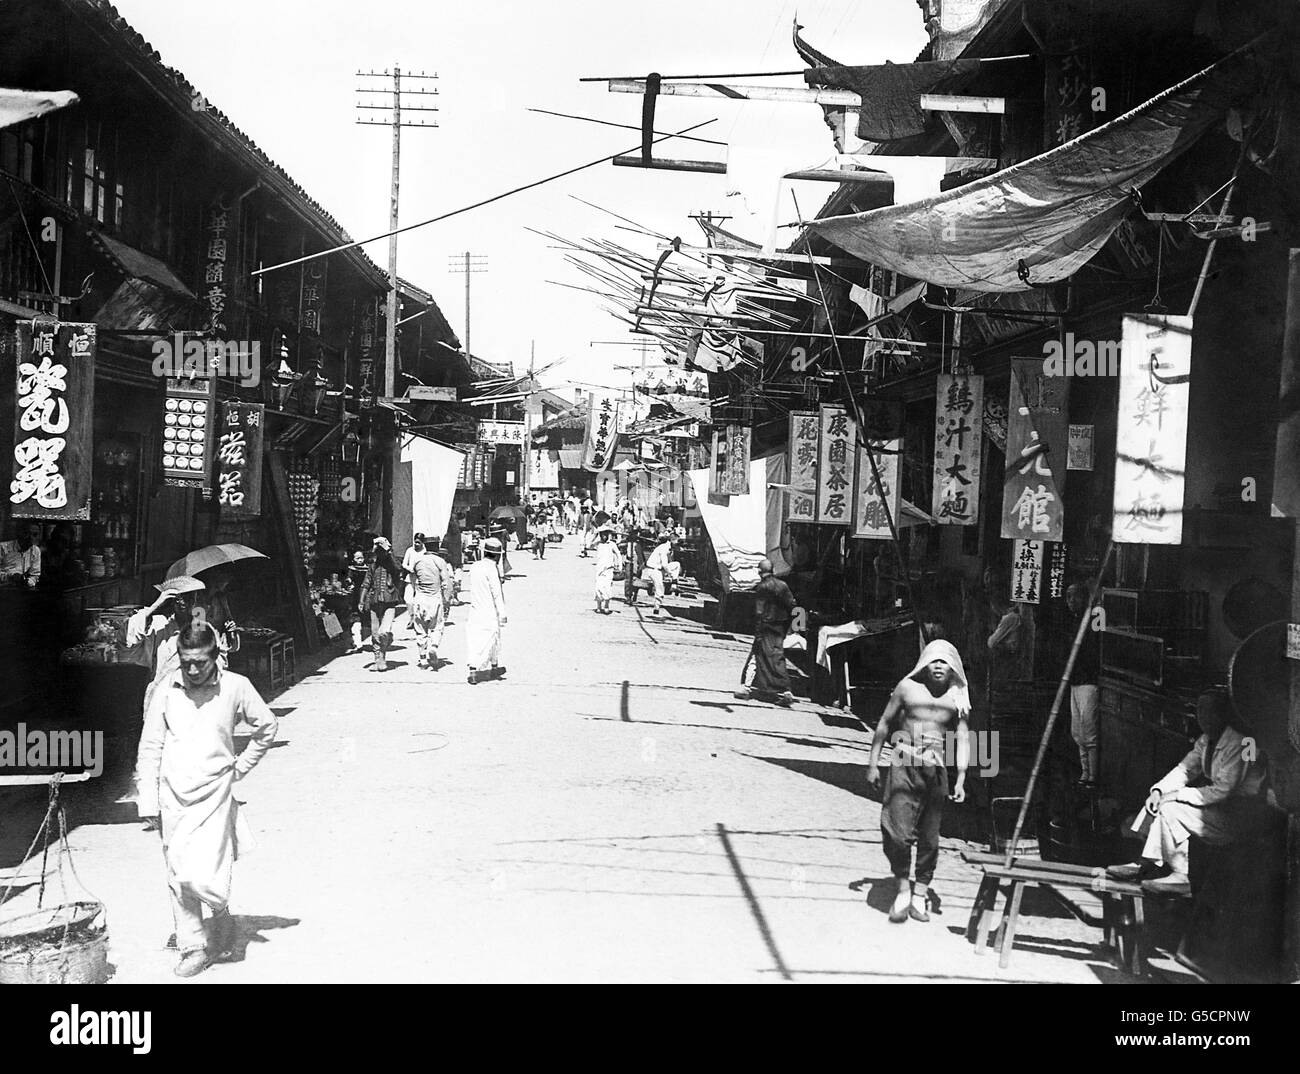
pixel 487 615
pixel 188 768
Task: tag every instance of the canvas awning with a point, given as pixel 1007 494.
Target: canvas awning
pixel 570 458
pixel 1051 213
pixel 18 106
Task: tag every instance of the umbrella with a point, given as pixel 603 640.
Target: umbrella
pixel 215 555
pixel 506 512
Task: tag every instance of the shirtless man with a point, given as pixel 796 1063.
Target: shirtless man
pixel 928 705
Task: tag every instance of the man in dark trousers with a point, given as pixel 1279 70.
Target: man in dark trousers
pixel 774 605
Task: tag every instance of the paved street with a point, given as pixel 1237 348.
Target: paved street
pixel 608 813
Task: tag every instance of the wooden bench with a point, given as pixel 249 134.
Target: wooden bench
pixel 1123 920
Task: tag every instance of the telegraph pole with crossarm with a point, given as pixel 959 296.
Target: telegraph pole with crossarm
pixel 397 123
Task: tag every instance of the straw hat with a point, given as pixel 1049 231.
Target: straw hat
pixel 493 547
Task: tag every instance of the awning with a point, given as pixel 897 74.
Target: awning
pixel 151 298
pixel 18 106
pixel 1054 212
pixel 140 265
pixel 570 458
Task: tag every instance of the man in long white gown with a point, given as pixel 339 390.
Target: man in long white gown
pixel 188 769
pixel 487 615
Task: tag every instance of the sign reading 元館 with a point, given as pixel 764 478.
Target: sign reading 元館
pixel 1037 443
pixel 55 400
pixel 804 435
pixel 239 455
pixel 1151 433
pixel 958 439
pixel 835 467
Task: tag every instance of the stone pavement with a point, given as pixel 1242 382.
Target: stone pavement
pixel 607 813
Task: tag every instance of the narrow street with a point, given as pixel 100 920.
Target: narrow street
pixel 608 813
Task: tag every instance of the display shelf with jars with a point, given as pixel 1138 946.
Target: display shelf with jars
pixel 109 542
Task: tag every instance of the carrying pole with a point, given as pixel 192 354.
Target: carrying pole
pixel 1085 623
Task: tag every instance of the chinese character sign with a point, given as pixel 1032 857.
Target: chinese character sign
pixel 1151 435
pixel 1056 572
pixel 215 267
pixel 543 469
pixel 1037 442
pixel 735 473
pixel 313 293
pixel 1082 438
pixel 958 440
pixel 805 435
pixel 1027 572
pixel 870 517
pixel 55 397
pixel 188 411
pixel 501 432
pixel 602 433
pixel 239 459
pixel 835 467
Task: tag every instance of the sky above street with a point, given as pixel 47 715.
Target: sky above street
pixel 284 71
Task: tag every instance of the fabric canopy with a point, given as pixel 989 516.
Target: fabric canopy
pixel 18 106
pixel 1053 212
pixel 424 484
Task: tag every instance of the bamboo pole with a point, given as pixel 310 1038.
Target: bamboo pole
pixel 1084 624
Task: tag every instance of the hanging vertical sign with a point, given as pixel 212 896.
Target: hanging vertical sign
pixel 188 409
pixel 239 459
pixel 602 432
pixel 1027 572
pixel 1082 439
pixel 735 468
pixel 804 434
pixel 1056 572
pixel 214 268
pixel 835 460
pixel 313 293
pixel 1151 436
pixel 1037 442
pixel 55 397
pixel 958 442
pixel 883 430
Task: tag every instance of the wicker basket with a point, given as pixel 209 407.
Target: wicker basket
pixel 65 944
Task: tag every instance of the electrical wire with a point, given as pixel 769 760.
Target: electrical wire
pixel 477 204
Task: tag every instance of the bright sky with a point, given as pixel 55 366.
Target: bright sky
pixel 284 72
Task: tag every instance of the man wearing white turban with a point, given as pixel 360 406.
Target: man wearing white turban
pixel 927 709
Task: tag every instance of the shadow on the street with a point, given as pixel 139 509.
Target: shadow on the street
pixel 958 822
pixel 249 929
pixel 880 891
pixel 826 743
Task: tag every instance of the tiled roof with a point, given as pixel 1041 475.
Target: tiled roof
pixel 102 12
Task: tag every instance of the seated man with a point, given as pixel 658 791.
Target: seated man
pixel 1216 792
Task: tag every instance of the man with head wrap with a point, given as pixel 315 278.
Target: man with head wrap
pixel 773 607
pixel 926 708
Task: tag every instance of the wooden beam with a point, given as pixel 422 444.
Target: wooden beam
pixel 714 167
pixel 767 255
pixel 949 102
pixel 782 94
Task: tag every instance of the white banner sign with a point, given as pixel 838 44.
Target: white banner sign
pixel 1027 572
pixel 957 445
pixel 805 433
pixel 500 432
pixel 870 520
pixel 602 433
pixel 1151 436
pixel 835 466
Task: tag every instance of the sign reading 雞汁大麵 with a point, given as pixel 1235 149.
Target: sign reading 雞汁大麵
pixel 958 442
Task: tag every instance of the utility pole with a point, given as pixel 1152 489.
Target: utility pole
pixel 397 123
pixel 469 264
